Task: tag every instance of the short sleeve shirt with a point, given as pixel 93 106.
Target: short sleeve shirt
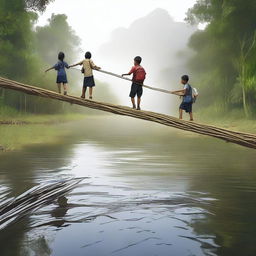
pixel 187 87
pixel 133 71
pixel 60 67
pixel 88 66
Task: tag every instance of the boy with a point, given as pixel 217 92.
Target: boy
pixel 87 70
pixel 139 76
pixel 187 100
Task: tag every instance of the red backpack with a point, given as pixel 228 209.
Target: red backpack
pixel 140 74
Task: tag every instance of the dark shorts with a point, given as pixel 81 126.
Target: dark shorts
pixel 62 79
pixel 89 81
pixel 136 89
pixel 186 106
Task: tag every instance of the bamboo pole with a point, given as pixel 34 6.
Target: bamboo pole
pixel 240 138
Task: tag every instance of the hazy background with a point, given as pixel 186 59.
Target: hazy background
pixel 116 31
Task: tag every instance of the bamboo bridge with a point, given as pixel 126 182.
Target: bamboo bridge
pixel 240 138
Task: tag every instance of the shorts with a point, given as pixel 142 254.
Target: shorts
pixel 62 79
pixel 89 82
pixel 186 106
pixel 136 89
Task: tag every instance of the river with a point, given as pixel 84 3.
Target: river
pixel 148 190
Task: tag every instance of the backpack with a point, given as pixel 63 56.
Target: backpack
pixel 140 74
pixel 188 98
pixel 194 94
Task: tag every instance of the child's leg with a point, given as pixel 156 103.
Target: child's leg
pixel 138 103
pixel 65 87
pixel 181 112
pixel 191 116
pixel 83 92
pixel 90 92
pixel 133 103
pixel 59 87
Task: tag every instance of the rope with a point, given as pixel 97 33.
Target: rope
pixel 128 79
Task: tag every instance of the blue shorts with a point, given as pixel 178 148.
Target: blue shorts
pixel 89 81
pixel 186 106
pixel 62 79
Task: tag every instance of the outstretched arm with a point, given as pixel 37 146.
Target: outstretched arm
pixel 79 63
pixel 132 70
pixel 126 74
pixel 179 92
pixel 49 69
pixel 93 66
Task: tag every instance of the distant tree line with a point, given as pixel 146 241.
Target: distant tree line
pixel 26 50
pixel 224 63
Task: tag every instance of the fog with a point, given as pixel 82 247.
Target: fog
pixel 116 31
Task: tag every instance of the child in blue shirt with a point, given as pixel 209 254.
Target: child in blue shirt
pixel 61 75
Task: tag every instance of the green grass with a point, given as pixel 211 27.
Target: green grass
pixel 14 137
pixel 234 120
pixel 10 114
pixel 40 128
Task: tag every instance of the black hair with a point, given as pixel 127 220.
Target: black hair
pixel 61 56
pixel 88 55
pixel 138 59
pixel 185 78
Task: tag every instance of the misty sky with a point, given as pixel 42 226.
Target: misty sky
pixel 94 20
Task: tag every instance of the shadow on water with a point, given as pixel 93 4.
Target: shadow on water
pixel 150 191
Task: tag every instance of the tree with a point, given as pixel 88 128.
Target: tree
pixel 224 50
pixel 57 36
pixel 37 5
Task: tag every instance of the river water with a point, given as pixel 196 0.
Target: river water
pixel 148 190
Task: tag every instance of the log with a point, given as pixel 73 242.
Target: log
pixel 240 138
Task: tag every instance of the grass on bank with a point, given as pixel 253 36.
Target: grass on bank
pixel 234 120
pixel 11 115
pixel 14 137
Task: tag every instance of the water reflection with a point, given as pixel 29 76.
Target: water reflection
pixel 150 191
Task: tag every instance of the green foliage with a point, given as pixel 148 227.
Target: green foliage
pixel 37 5
pixel 25 52
pixel 225 52
pixel 55 37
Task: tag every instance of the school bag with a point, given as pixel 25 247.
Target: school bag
pixel 194 94
pixel 140 74
pixel 187 98
pixel 191 96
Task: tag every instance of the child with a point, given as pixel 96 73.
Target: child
pixel 139 76
pixel 187 100
pixel 88 66
pixel 61 76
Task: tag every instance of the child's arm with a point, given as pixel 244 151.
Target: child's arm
pixel 128 74
pixel 79 63
pixel 179 92
pixel 49 69
pixel 93 66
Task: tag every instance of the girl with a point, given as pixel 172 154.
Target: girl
pixel 88 66
pixel 61 76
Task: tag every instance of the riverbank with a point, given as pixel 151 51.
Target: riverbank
pixel 26 129
pixel 232 121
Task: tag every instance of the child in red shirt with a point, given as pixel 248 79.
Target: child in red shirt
pixel 139 76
